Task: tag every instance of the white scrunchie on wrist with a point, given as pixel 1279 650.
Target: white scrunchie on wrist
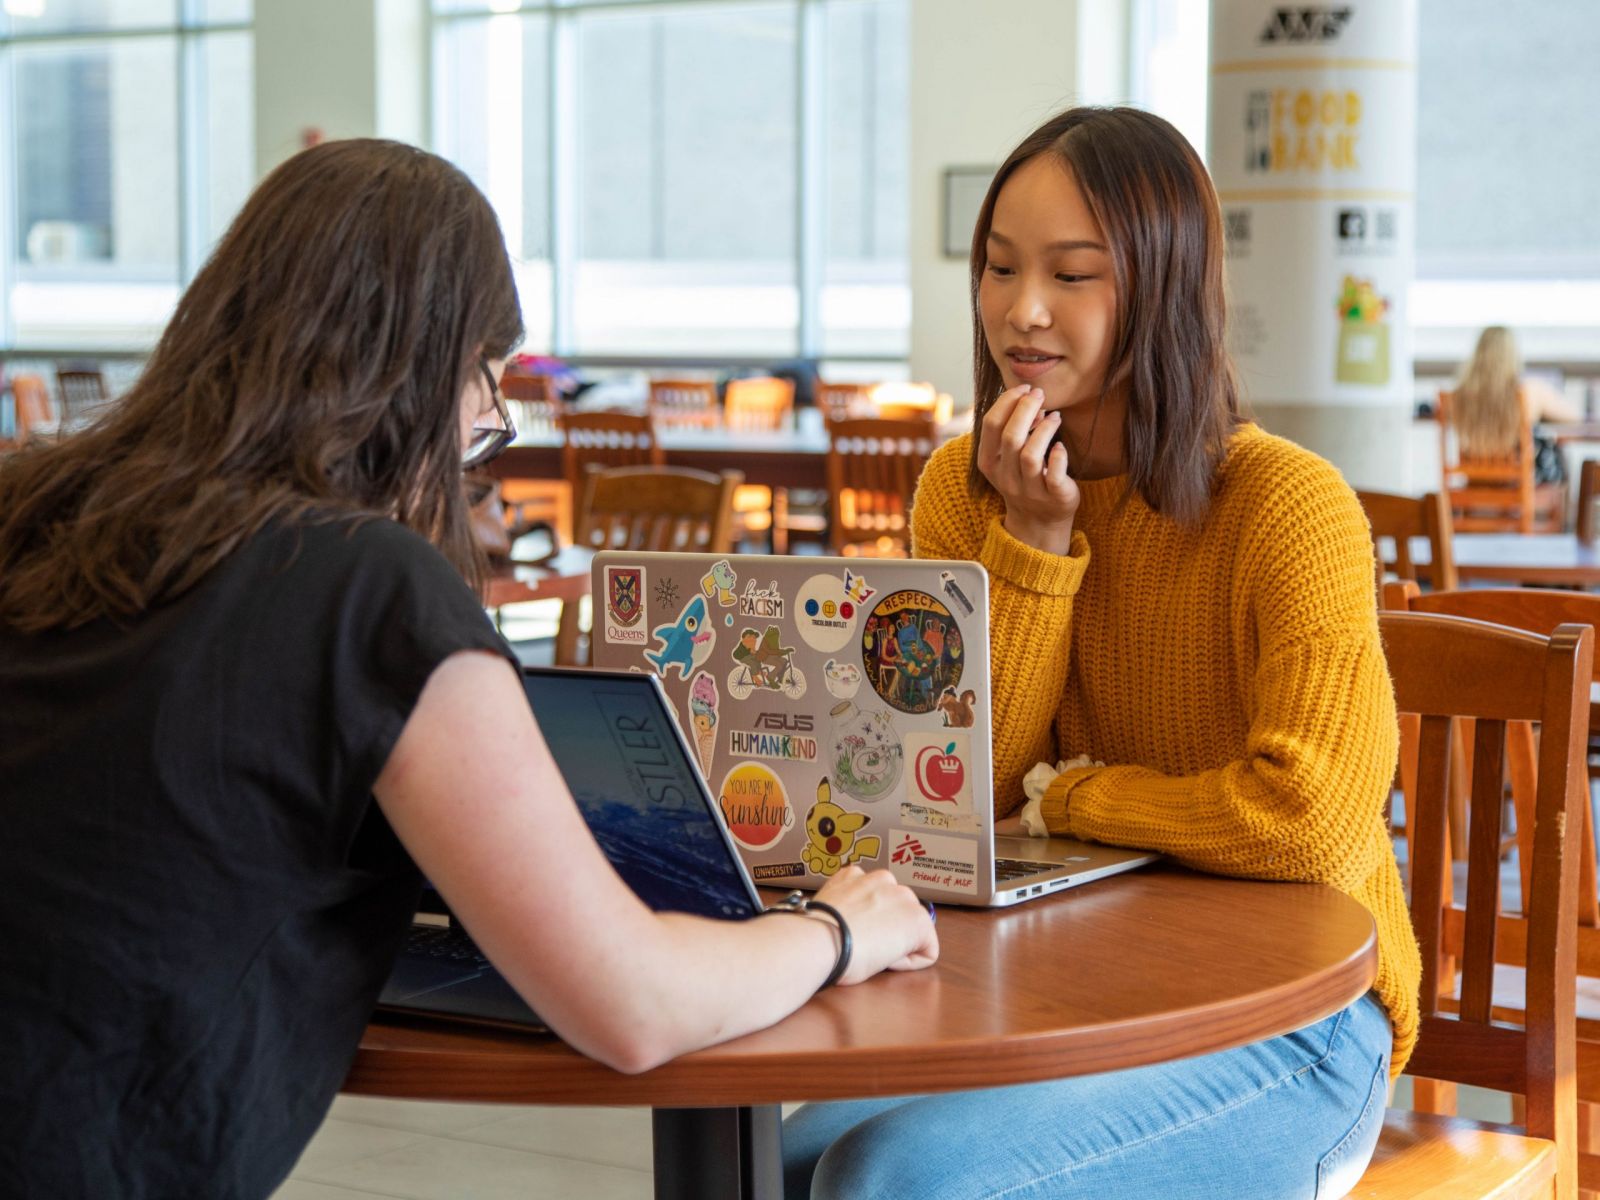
pixel 1037 782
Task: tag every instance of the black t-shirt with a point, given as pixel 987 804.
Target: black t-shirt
pixel 199 899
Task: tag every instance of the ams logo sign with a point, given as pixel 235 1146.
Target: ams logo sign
pixel 1297 25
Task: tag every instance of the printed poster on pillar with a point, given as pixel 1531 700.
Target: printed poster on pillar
pixel 1313 150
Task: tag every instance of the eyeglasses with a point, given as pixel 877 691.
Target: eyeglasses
pixel 487 443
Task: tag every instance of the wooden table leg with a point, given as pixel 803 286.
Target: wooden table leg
pixel 719 1153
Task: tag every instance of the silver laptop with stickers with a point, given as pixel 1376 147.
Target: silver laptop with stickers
pixel 839 710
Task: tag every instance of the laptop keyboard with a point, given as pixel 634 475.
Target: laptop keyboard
pixel 447 944
pixel 1006 869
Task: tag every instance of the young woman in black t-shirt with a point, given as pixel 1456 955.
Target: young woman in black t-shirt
pixel 233 611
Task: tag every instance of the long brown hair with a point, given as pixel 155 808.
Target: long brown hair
pixel 1486 409
pixel 314 368
pixel 1151 195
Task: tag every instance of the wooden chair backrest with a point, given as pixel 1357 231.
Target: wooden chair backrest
pixel 81 388
pixel 842 401
pixel 1401 518
pixel 1449 667
pixel 35 411
pixel 535 404
pixel 684 402
pixel 1541 611
pixel 1588 523
pixel 873 466
pixel 758 405
pixel 1489 492
pixel 658 508
pixel 606 439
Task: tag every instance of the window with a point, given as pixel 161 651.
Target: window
pixel 721 178
pixel 131 151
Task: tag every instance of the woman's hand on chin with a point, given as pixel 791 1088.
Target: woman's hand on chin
pixel 1016 456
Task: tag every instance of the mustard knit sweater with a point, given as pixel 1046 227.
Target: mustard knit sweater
pixel 1230 675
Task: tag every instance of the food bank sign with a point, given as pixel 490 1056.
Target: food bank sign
pixel 1313 148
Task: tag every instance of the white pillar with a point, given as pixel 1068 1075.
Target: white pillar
pixel 979 83
pixel 1313 149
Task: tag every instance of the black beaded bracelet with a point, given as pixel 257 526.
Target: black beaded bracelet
pixel 799 903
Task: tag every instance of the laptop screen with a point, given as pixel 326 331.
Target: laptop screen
pixel 629 770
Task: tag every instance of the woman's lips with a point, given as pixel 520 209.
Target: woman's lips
pixel 1030 367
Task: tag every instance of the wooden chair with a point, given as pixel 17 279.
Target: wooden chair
pixel 650 508
pixel 844 401
pixel 36 414
pixel 1498 493
pixel 685 403
pixel 1444 668
pixel 1588 522
pixel 873 466
pixel 762 404
pixel 1398 519
pixel 81 388
pixel 606 439
pixel 1541 611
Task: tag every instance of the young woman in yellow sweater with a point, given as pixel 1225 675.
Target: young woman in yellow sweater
pixel 1182 610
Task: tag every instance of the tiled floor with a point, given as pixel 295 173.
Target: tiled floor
pixel 395 1148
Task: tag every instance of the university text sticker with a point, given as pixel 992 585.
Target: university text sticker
pixel 624 603
pixel 754 805
pixel 934 860
pixel 911 650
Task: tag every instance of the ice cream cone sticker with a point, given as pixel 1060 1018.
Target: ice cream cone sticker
pixel 1363 355
pixel 703 713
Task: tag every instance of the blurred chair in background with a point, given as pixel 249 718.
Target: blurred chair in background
pixel 82 390
pixel 873 466
pixel 1398 519
pixel 606 439
pixel 36 414
pixel 843 401
pixel 678 403
pixel 763 404
pixel 1497 493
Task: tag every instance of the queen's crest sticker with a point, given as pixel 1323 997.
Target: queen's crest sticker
pixel 624 606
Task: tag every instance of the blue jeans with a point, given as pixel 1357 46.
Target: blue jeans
pixel 1296 1116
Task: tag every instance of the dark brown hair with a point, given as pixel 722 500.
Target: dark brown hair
pixel 313 369
pixel 1154 202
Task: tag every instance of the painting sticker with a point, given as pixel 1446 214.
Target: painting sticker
pixel 934 860
pixel 911 650
pixel 624 606
pixel 754 805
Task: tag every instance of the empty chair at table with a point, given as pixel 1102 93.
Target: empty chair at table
pixel 1395 521
pixel 758 404
pixel 690 403
pixel 606 439
pixel 873 465
pixel 1445 668
pixel 838 401
pixel 35 412
pixel 82 388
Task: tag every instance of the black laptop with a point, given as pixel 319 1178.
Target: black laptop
pixel 625 760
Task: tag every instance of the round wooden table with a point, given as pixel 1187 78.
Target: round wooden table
pixel 1146 967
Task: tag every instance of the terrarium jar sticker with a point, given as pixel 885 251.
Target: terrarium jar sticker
pixel 911 650
pixel 1363 355
pixel 755 806
pixel 865 751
